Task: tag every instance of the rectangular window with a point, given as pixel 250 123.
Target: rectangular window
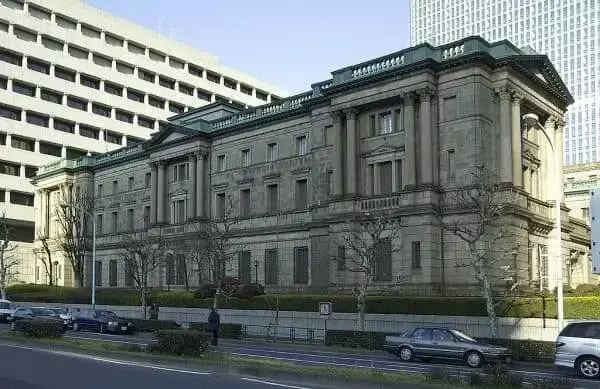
pixel 147 180
pixel 385 178
pixel 64 74
pixel 114 222
pixel 245 267
pixel 98 265
pixel 145 122
pixel 156 102
pixel 129 268
pixel 146 76
pixel 246 157
pixel 136 49
pixel 77 103
pixel 125 68
pixel 18 142
pixel 385 123
pixel 130 182
pixel 176 108
pixel 130 220
pixel 11 58
pixel 89 132
pixel 25 35
pixel 178 211
pixel 101 110
pixel 383 260
pixel 99 223
pixel 135 95
pixel 30 171
pixel 585 214
pixel 245 203
pixel 186 89
pixel 124 116
pixel 90 31
pixel 272 152
pixel 372 125
pixel 38 66
pixel 181 272
pixel 166 82
pixel 301 145
pixel 10 113
pixel 113 40
pixel 3 83
pixel 101 60
pixel 112 273
pixel 213 77
pixel 330 183
pixel 301 265
pixel 50 149
pixel 64 126
pixel 99 192
pixel 23 89
pixel 301 195
pixel 204 95
pixel 113 89
pixel 271 267
pixel 115 187
pixel 272 198
pixel 416 255
pixel 89 81
pixel 51 96
pixel 341 258
pixel 220 205
pixel 112 137
pixel 10 169
pixel 78 53
pixel 195 70
pixel 221 163
pixel 451 166
pixel 37 119
pixel 146 216
pixel 65 22
pixel 20 198
pixel 327 135
pixel 180 172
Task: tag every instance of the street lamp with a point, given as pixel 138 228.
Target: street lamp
pixel 87 213
pixel 532 120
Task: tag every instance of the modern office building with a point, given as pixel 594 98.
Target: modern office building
pixel 579 181
pixel 568 31
pixel 77 81
pixel 391 134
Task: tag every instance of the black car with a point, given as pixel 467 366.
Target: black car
pixel 101 321
pixel 36 313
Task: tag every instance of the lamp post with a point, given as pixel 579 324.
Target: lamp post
pixel 256 270
pixel 532 120
pixel 93 249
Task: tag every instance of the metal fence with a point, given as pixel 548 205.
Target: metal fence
pixel 279 333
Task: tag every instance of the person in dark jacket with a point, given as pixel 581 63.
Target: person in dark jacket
pixel 214 323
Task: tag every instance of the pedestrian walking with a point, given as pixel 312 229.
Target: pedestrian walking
pixel 214 324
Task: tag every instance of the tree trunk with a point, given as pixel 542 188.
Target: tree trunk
pixel 143 302
pixel 217 294
pixel 2 277
pixel 489 302
pixel 361 305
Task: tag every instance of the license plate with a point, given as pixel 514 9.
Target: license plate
pixel 123 328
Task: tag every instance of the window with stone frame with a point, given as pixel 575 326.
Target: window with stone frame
pixel 246 159
pixel 180 270
pixel 385 123
pixel 301 262
pixel 99 222
pixel 330 183
pixel 146 216
pixel 147 180
pixel 112 272
pixel 221 163
pixel 245 267
pixel 385 178
pixel 220 205
pixel 130 220
pixel 301 195
pixel 128 274
pixel 383 260
pixel 451 162
pixel 272 152
pixel 180 172
pixel 271 267
pixel 302 145
pixel 170 269
pixel 272 198
pixel 245 204
pixel 114 222
pixel 178 211
pixel 416 255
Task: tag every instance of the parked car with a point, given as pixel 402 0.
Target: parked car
pixel 64 314
pixel 6 309
pixel 101 321
pixel 578 348
pixel 35 313
pixel 446 344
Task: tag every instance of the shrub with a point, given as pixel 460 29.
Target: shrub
pixel 248 291
pixel 229 284
pixel 587 290
pixel 227 330
pixel 146 325
pixel 205 291
pixel 35 328
pixel 181 342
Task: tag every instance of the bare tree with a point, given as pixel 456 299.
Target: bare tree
pixel 483 207
pixel 45 256
pixel 142 254
pixel 219 250
pixel 190 253
pixel 74 237
pixel 9 259
pixel 370 239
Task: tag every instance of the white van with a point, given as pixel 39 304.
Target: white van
pixel 6 310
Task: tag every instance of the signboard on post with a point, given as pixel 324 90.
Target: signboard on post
pixel 325 310
pixel 595 222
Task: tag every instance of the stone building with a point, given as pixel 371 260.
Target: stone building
pixel 392 133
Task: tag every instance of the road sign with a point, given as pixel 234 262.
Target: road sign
pixel 595 222
pixel 325 309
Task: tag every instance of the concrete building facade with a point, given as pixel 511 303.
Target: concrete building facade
pixel 397 133
pixel 76 81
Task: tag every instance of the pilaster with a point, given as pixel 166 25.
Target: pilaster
pixel 153 193
pixel 506 161
pixel 549 162
pixel 426 139
pixel 200 184
pixel 191 212
pixel 351 151
pixel 161 192
pixel 517 139
pixel 558 146
pixel 409 173
pixel 338 163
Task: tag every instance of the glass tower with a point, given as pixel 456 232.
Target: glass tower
pixel 568 31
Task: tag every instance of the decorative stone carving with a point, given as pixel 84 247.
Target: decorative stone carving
pixel 504 93
pixel 409 98
pixel 351 113
pixel 336 116
pixel 517 96
pixel 425 94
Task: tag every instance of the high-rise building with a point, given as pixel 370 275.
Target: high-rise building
pixel 568 31
pixel 75 80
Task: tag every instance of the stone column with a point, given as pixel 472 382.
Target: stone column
pixel 153 193
pixel 338 159
pixel 426 140
pixel 517 139
pixel 193 187
pixel 548 160
pixel 506 161
pixel 43 215
pixel 351 150
pixel 410 147
pixel 558 146
pixel 161 193
pixel 200 185
pixel 369 181
pixel 527 180
pixel 394 175
pixel 376 179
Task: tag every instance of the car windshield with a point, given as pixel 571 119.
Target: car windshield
pixel 108 315
pixel 463 337
pixel 4 305
pixel 59 311
pixel 42 312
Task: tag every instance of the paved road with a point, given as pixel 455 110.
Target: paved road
pixel 28 368
pixel 321 356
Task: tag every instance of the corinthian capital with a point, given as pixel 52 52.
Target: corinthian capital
pixel 517 96
pixel 351 113
pixel 550 122
pixel 425 94
pixel 336 116
pixel 505 93
pixel 409 98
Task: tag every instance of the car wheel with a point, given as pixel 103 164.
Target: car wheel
pixel 474 359
pixel 76 327
pixel 405 354
pixel 588 367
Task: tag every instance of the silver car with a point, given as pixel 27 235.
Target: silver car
pixel 446 344
pixel 578 347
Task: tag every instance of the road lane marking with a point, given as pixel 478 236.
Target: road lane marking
pixel 274 384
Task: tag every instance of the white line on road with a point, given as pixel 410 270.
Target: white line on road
pixel 274 384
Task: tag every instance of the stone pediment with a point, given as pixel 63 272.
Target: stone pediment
pixel 384 149
pixel 178 192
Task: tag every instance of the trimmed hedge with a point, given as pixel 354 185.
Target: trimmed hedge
pixel 39 328
pixel 181 342
pixel 586 307
pixel 146 325
pixel 227 330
